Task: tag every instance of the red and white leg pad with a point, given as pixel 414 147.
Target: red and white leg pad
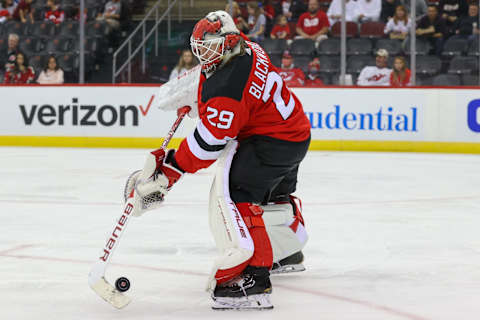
pixel 238 229
pixel 285 227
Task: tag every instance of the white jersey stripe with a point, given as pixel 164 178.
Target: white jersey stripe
pixel 199 152
pixel 208 137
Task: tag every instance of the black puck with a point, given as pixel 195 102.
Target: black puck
pixel 122 284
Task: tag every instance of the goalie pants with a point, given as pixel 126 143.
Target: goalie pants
pixel 265 169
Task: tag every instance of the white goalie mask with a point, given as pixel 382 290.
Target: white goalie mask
pixel 213 38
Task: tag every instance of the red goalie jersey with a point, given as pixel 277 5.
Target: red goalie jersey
pixel 244 98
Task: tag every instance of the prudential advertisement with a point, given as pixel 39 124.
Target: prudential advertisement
pixel 356 114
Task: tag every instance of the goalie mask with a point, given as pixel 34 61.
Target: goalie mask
pixel 213 39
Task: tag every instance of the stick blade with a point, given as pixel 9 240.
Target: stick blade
pixel 108 293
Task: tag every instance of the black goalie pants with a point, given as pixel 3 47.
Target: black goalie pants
pixel 265 169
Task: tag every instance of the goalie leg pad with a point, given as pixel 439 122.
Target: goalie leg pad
pixel 285 228
pixel 252 215
pixel 229 231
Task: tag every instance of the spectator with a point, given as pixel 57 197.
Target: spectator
pixel 12 51
pixel 55 13
pixel 281 30
pixel 379 75
pixel 291 75
pixel 292 9
pixel 52 73
pixel 236 14
pixel 467 27
pixel 185 63
pixel 24 11
pixel 111 15
pixel 432 28
pixel 334 11
pixel 313 74
pixel 6 10
pixel 451 11
pixel 398 27
pixel 21 73
pixel 389 6
pixel 313 24
pixel 256 22
pixel 400 76
pixel 388 9
pixel 368 10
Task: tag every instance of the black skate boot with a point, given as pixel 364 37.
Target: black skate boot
pixel 292 263
pixel 248 291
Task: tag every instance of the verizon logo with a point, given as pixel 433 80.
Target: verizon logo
pixel 77 114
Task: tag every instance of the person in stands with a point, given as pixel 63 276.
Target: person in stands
pixel 313 74
pixel 21 73
pixel 313 24
pixel 111 15
pixel 451 11
pixel 257 22
pixel 432 28
pixel 54 13
pixel 24 11
pixel 185 63
pixel 468 27
pixel 12 51
pixel 291 76
pixel 400 76
pixel 398 27
pixel 7 9
pixel 291 9
pixel 52 73
pixel 281 30
pixel 334 11
pixel 368 10
pixel 378 75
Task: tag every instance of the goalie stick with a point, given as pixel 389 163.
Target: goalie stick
pixel 96 277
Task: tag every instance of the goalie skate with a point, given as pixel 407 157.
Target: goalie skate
pixel 249 291
pixel 252 302
pixel 292 263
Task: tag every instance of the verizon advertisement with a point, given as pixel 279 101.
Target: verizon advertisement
pixel 335 114
pixel 85 111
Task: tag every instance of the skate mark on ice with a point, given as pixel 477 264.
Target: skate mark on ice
pixel 17 248
pixel 369 305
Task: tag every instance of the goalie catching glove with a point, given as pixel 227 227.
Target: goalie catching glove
pixel 150 185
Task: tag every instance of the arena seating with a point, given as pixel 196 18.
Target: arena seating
pixel 42 38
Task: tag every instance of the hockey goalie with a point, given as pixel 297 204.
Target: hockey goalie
pixel 256 130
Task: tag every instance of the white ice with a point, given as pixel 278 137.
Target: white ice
pixel 392 236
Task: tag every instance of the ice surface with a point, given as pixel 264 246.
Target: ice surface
pixel 392 236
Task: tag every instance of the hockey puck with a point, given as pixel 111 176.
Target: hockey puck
pixel 122 284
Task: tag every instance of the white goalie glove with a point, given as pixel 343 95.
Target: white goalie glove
pixel 181 91
pixel 150 185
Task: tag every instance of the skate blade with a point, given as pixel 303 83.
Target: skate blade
pixel 288 268
pixel 253 302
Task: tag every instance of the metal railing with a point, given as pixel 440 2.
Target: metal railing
pixel 142 27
